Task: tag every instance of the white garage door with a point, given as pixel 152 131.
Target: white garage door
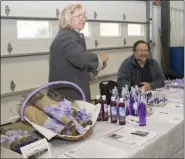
pixel 28 27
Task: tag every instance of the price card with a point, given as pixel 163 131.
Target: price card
pixel 38 149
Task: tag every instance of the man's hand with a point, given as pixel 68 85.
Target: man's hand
pixel 104 65
pixel 146 85
pixel 104 56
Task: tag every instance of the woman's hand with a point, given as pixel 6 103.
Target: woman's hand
pixel 104 56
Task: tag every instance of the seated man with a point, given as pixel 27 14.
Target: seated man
pixel 140 70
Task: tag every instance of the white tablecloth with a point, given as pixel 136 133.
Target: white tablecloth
pixel 168 143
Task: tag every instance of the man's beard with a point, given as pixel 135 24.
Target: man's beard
pixel 141 60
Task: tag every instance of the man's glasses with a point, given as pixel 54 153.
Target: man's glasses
pixel 142 51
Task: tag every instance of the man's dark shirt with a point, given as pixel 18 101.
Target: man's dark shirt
pixel 145 73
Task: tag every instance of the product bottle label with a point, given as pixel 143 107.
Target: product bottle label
pixel 113 110
pixel 106 108
pixel 122 111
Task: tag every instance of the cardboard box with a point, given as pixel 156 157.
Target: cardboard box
pixel 6 153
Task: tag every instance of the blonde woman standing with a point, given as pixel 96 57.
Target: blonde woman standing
pixel 69 59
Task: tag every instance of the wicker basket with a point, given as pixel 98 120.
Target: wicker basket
pixel 45 86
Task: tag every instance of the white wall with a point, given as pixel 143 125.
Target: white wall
pixel 177 27
pixel 34 69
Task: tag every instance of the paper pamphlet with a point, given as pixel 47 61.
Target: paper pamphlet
pixel 132 119
pixel 133 136
pixel 95 149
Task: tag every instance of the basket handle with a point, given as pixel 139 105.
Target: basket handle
pixel 43 86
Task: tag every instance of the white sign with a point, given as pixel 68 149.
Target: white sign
pixel 38 149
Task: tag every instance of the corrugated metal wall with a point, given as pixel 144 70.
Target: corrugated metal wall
pixel 177 27
pixel 156 29
pixel 177 37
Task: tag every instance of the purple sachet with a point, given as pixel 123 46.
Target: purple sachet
pixel 54 125
pixel 62 113
pixel 83 115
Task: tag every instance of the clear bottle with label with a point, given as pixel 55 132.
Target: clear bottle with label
pixel 113 110
pixel 126 89
pixel 123 92
pixel 113 93
pixel 105 115
pixel 142 94
pixel 116 92
pixel 122 112
pixel 131 103
pixel 132 89
pixel 136 90
pixel 98 101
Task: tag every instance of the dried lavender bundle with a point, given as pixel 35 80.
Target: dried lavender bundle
pixel 49 106
pixel 39 117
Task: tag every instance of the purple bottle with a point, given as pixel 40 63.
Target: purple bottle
pixel 122 114
pixel 142 113
pixel 113 110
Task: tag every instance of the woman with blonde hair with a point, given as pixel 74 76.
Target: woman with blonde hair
pixel 69 59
